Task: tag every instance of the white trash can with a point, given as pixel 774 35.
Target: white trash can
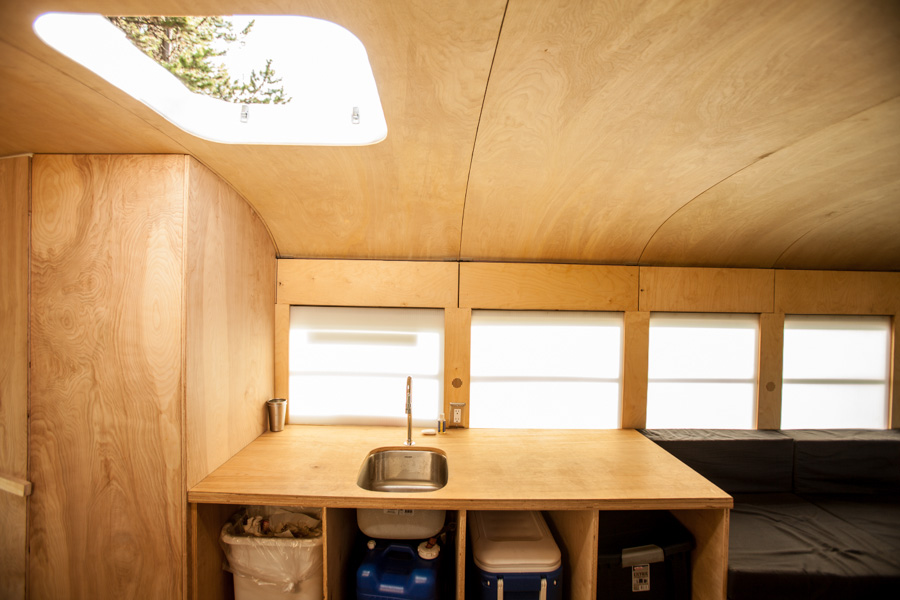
pixel 273 568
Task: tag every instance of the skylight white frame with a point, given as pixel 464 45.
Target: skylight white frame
pixel 324 117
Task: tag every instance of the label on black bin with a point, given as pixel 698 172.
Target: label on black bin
pixel 640 578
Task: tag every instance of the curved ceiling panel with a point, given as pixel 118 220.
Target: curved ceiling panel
pixel 601 120
pixel 831 188
pixel 401 198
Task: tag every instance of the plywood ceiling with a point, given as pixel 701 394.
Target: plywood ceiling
pixel 749 133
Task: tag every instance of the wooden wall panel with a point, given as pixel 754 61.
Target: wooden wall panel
pixel 367 283
pixel 547 287
pixel 706 290
pixel 636 351
pixel 15 180
pixel 108 510
pixel 230 317
pixel 771 361
pixel 837 292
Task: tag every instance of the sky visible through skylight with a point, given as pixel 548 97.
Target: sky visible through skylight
pixel 324 69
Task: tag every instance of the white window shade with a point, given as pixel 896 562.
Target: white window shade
pixel 702 371
pixel 349 365
pixel 551 370
pixel 835 372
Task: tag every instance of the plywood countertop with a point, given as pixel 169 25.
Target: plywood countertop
pixel 489 468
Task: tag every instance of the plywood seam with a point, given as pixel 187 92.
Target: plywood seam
pixel 101 94
pixel 752 163
pixel 487 84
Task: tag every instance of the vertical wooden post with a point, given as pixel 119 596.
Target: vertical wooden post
pixel 282 352
pixel 771 359
pixel 457 343
pixel 894 409
pixel 635 351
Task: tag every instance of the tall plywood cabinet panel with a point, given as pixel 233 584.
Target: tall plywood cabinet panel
pixel 153 292
pixel 14 199
pixel 107 513
pixel 230 308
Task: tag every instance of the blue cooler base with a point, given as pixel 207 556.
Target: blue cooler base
pixel 393 570
pixel 520 586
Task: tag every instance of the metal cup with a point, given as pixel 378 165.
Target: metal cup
pixel 277 409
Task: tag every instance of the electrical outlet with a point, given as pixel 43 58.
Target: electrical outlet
pixel 457 415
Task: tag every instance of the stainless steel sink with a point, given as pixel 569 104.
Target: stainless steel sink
pixel 403 470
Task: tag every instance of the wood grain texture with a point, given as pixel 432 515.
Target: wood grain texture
pixel 603 124
pixel 340 532
pixel 837 293
pixel 208 580
pixel 577 532
pixel 230 318
pixel 562 467
pixel 764 215
pixel 709 560
pixel 15 201
pixel 706 290
pixel 636 361
pixel 462 531
pixel 602 120
pixel 107 516
pixel 547 287
pixel 895 373
pixel 457 361
pixel 770 369
pixel 367 283
pixel 283 353
pixel 399 199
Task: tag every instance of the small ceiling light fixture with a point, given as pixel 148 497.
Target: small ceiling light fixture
pixel 324 68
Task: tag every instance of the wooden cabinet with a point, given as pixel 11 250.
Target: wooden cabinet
pixel 152 287
pixel 576 533
pixel 569 475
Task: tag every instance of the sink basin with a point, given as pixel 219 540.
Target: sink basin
pixel 403 469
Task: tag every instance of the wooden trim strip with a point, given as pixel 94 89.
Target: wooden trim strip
pixel 367 283
pixel 15 486
pixel 635 350
pixel 517 286
pixel 894 407
pixel 457 356
pixel 837 293
pixel 769 370
pixel 676 289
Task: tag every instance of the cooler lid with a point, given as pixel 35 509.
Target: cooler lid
pixel 513 542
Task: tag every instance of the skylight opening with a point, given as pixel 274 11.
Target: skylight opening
pixel 324 68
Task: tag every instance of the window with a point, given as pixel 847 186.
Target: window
pixel 835 372
pixel 349 365
pixel 310 55
pixel 702 371
pixel 550 370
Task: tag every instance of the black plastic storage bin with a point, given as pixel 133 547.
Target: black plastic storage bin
pixel 644 555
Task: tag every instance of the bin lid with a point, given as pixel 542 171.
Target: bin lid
pixel 513 542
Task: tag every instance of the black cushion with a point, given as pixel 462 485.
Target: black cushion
pixel 736 460
pixel 784 547
pixel 846 461
pixel 877 515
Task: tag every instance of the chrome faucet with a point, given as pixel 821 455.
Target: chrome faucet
pixel 409 441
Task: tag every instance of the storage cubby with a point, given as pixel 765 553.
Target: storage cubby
pixel 575 531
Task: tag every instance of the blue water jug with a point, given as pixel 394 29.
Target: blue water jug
pixel 393 570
